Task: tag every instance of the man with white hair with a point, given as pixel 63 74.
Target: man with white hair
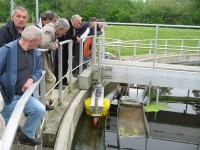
pixel 74 23
pixel 20 66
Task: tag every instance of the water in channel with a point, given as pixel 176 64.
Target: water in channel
pixel 174 128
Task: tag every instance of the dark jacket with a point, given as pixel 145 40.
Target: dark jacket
pixel 70 32
pixel 83 27
pixel 69 36
pixel 8 33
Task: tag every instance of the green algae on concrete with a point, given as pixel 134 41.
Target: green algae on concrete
pixel 155 108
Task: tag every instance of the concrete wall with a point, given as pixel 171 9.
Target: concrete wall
pixel 71 118
pixel 175 59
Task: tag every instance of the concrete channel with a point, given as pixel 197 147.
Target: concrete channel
pixel 59 135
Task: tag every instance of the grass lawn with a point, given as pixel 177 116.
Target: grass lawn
pixel 128 33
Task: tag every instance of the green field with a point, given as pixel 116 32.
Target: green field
pixel 128 33
pixel 138 33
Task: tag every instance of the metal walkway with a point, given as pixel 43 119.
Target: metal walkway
pixel 143 73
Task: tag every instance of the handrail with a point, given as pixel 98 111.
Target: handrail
pixel 60 64
pixel 9 134
pixel 153 25
pixel 148 44
pixel 70 68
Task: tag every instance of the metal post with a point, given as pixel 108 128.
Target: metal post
pixel 118 50
pixel 11 7
pixel 39 128
pixel 157 95
pixel 94 44
pixel 134 50
pixel 37 14
pixel 198 47
pixel 100 48
pixel 99 65
pixel 81 56
pixel 188 94
pixel 155 47
pixel 166 47
pixel 137 94
pixel 60 73
pixel 182 47
pixel 102 42
pixel 70 64
pixel 149 95
pixel 150 48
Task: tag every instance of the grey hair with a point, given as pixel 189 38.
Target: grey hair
pixel 32 32
pixel 62 23
pixel 21 9
pixel 48 15
pixel 75 17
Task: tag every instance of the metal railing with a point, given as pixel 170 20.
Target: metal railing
pixel 7 139
pixel 155 46
pixel 99 45
pixel 164 46
pixel 70 66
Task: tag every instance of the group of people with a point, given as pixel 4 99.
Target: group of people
pixel 21 64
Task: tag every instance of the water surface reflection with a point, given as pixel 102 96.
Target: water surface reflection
pixel 175 128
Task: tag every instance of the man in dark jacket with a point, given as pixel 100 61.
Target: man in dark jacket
pixel 89 26
pixel 12 30
pixel 71 35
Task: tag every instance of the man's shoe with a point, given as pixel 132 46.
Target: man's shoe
pixel 23 139
pixel 49 107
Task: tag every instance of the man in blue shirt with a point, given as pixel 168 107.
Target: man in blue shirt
pixel 20 66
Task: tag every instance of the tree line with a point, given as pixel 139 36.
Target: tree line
pixel 185 12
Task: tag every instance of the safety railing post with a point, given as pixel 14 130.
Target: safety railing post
pixel 157 95
pixel 166 46
pixel 100 49
pixel 81 57
pixel 155 47
pixel 60 97
pixel 118 50
pixel 182 45
pixel 43 99
pixel 39 128
pixel 198 47
pixel 134 49
pixel 94 44
pixel 70 61
pixel 150 47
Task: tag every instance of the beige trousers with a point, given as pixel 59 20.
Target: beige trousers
pixel 50 81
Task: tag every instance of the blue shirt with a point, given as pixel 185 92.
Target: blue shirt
pixel 8 69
